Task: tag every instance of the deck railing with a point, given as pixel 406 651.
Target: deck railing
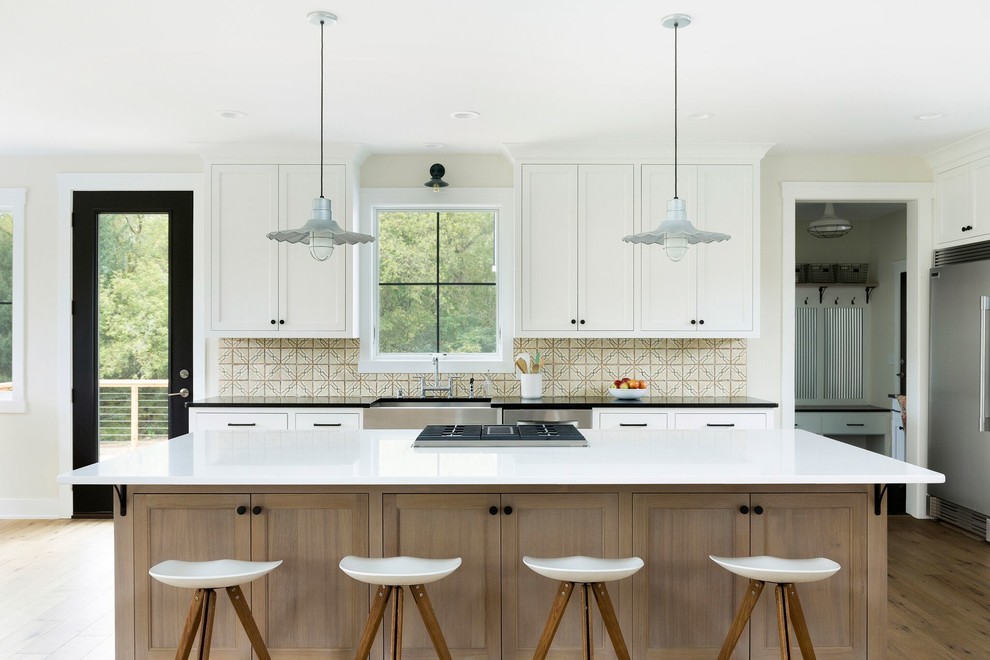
pixel 133 409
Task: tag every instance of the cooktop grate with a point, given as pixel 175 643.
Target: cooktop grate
pixel 500 435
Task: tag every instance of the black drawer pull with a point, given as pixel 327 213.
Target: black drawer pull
pixel 242 423
pixel 507 510
pixel 256 510
pixel 731 424
pixel 758 510
pixel 241 510
pixel 850 424
pixel 632 424
pixel 967 228
pixel 744 509
pixel 493 510
pixel 327 423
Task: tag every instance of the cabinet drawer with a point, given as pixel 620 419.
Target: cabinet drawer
pixel 720 420
pixel 207 421
pixel 632 420
pixel 855 423
pixel 811 422
pixel 328 420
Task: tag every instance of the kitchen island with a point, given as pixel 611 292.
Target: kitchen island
pixel 670 497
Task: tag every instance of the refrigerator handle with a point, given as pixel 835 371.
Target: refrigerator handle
pixel 984 389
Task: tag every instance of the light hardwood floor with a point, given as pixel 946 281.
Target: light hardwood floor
pixel 56 591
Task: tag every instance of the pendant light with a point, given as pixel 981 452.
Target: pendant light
pixel 829 225
pixel 675 232
pixel 320 232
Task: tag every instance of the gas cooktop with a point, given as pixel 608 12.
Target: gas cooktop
pixel 500 435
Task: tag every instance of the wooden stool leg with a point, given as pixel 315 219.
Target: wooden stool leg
pixel 247 621
pixel 429 617
pixel 586 639
pixel 753 592
pixel 192 625
pixel 611 621
pixel 375 616
pixel 800 626
pixel 397 624
pixel 553 621
pixel 785 643
pixel 209 613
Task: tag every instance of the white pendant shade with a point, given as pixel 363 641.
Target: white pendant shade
pixel 675 232
pixel 320 232
pixel 829 225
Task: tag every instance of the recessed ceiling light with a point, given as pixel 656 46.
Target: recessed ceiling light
pixel 231 114
pixel 434 145
pixel 928 116
pixel 701 116
pixel 465 114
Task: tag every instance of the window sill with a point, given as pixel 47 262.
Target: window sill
pixel 10 406
pixel 448 365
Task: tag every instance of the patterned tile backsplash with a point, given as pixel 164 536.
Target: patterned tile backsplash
pixel 573 367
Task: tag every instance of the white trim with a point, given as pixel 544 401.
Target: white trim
pixel 919 198
pixel 13 199
pixel 500 199
pixel 959 153
pixel 67 184
pixel 709 154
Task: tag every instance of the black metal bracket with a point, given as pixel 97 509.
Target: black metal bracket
pixel 869 292
pixel 821 294
pixel 121 497
pixel 878 493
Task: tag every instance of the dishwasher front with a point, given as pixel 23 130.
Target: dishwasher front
pixel 579 417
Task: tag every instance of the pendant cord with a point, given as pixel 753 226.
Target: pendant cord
pixel 675 110
pixel 321 108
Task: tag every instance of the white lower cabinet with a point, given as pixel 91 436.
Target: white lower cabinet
pixel 869 430
pixel 684 419
pixel 204 418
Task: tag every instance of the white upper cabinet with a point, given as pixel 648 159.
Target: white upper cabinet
pixel 576 273
pixel 962 197
pixel 260 286
pixel 712 291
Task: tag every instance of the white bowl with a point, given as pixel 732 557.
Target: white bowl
pixel 628 394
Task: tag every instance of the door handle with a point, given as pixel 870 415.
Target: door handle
pixel 851 424
pixel 326 424
pixel 984 390
pixel 631 424
pixel 242 424
pixel 720 425
pixel 184 393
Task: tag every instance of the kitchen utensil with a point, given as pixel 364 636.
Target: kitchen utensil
pixel 537 363
pixel 522 366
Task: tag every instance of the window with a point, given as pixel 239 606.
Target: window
pixel 438 282
pixel 11 299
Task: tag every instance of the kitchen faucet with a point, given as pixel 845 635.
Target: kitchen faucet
pixel 436 388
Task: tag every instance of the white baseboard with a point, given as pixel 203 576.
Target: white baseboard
pixel 30 508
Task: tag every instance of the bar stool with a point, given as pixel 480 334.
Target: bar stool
pixel 205 577
pixel 591 573
pixel 391 574
pixel 784 574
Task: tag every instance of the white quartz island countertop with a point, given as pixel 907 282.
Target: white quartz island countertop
pixel 386 457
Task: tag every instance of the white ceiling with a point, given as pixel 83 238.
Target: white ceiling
pixel 839 76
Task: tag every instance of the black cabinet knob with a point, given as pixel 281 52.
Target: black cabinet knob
pixel 701 322
pixel 507 510
pixel 573 321
pixel 256 510
pixel 693 322
pixel 582 321
pixel 744 509
pixel 241 510
pixel 967 228
pixel 493 510
pixel 758 510
pixel 281 321
pixel 273 321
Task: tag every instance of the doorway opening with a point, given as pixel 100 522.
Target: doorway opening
pixel 131 326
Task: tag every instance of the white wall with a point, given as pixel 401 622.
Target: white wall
pixel 29 441
pixel 764 382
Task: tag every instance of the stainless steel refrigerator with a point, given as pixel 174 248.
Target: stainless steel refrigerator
pixel 959 411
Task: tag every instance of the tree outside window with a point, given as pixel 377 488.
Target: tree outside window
pixel 437 285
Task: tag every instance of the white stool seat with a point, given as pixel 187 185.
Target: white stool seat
pixel 584 569
pixel 218 574
pixel 398 571
pixel 778 570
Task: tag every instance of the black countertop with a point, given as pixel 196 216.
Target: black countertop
pixel 581 402
pixel 847 407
